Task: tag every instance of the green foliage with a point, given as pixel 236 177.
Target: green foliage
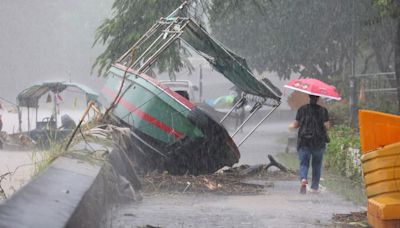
pixel 131 19
pixel 42 159
pixel 313 38
pixel 338 113
pixel 387 7
pixel 337 156
pixel 381 102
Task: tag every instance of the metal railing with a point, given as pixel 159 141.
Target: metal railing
pixel 379 82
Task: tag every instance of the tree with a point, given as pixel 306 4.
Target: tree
pixel 391 9
pixel 310 37
pixel 131 19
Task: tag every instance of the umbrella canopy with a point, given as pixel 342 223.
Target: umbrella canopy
pixel 314 87
pixel 298 99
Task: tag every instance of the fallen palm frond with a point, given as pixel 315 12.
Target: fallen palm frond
pixel 225 181
pixel 206 183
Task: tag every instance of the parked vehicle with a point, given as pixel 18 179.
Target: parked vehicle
pixel 184 88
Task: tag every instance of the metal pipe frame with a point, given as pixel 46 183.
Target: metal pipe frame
pixel 151 60
pixel 257 107
pixel 154 43
pixel 177 9
pixel 141 40
pixel 255 128
pixel 150 33
pixel 233 108
pixel 173 38
pixel 147 50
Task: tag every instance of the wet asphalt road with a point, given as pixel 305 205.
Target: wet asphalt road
pixel 278 206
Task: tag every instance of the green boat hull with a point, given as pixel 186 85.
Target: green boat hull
pixel 192 140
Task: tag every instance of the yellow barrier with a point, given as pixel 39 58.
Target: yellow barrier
pixel 377 129
pixel 380 146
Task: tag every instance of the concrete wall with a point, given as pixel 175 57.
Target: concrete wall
pixel 70 193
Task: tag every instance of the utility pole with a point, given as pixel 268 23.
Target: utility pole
pixel 352 80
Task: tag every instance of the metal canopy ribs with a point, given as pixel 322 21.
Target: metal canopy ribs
pixel 167 31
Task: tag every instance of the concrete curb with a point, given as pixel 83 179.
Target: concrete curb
pixel 69 193
pixel 51 198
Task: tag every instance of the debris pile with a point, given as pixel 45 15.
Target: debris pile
pixel 205 183
pixel 225 181
pixel 354 219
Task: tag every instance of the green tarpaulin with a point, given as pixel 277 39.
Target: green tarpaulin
pixel 226 62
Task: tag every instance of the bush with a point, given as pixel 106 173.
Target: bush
pixel 339 156
pixel 338 113
pixel 381 103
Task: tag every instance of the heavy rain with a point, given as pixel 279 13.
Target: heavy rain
pixel 200 113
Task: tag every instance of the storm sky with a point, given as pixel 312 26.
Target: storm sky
pixel 48 40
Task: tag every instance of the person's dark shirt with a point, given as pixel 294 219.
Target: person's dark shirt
pixel 312 132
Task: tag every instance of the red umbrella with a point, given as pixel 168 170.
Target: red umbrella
pixel 314 87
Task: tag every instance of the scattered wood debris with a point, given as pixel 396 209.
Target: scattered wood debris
pixel 216 183
pixel 354 219
pixel 225 181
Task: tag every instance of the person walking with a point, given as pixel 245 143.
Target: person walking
pixel 312 121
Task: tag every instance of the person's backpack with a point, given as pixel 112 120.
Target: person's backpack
pixel 313 132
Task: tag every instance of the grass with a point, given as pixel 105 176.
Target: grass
pixel 350 190
pixel 43 159
pixel 290 160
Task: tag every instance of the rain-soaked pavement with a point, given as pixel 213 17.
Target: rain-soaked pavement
pixel 278 206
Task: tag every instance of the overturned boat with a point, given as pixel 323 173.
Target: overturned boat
pixel 188 139
pixel 172 133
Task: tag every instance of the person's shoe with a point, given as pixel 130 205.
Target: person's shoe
pixel 314 191
pixel 303 186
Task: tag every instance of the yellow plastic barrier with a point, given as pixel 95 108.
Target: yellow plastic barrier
pixel 384 211
pixel 382 170
pixel 380 223
pixel 385 207
pixel 382 175
pixel 380 146
pixel 377 129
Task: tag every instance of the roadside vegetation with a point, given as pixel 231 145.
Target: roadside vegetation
pixel 342 156
pixel 342 162
pixel 42 159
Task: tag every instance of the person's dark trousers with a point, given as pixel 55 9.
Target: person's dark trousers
pixel 316 155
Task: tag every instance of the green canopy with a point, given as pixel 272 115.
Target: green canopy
pixel 30 96
pixel 168 30
pixel 233 67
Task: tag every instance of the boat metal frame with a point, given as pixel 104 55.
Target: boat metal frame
pixel 161 36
